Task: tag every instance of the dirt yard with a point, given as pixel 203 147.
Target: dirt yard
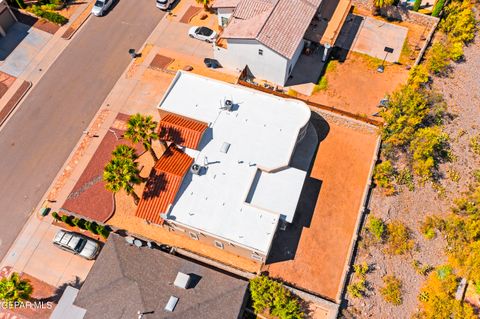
pixel 355 86
pixel 462 93
pixel 342 165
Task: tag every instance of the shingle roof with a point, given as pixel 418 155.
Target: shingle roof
pixel 181 130
pixel 225 3
pixel 126 279
pixel 163 184
pixel 280 24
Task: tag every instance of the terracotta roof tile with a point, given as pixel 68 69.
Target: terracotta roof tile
pixel 181 130
pixel 163 184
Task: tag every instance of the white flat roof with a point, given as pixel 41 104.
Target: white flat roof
pixel 244 191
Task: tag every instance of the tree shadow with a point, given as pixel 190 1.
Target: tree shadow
pixel 76 283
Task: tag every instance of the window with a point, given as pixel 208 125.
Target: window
pixel 260 52
pixel 193 236
pixel 256 256
pixel 218 244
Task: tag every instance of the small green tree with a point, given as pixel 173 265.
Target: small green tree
pixel 56 216
pixel 15 289
pixel 392 290
pixel 67 220
pixel 438 58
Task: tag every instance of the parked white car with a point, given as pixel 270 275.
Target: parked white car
pixel 77 244
pixel 202 33
pixel 164 4
pixel 101 6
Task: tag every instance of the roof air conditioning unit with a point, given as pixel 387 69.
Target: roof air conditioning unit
pixel 195 169
pixel 227 105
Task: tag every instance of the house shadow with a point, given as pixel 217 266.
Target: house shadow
pixel 15 35
pixel 285 242
pixel 76 283
pixel 347 36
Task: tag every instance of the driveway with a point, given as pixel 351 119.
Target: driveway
pixel 175 38
pixel 38 138
pixel 20 46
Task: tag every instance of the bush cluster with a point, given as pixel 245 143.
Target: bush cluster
pixel 376 227
pixel 392 290
pixel 270 295
pixel 398 238
pixel 357 287
pixel 46 12
pixel 81 223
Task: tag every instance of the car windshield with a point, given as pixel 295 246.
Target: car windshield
pixel 99 3
pixel 204 31
pixel 78 248
pixel 162 1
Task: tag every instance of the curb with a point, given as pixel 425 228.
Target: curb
pixel 70 32
pixel 14 100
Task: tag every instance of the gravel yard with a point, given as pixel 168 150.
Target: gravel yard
pixel 461 90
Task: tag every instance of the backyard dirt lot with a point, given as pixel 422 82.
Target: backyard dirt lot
pixel 342 164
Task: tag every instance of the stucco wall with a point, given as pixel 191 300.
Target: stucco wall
pixel 224 13
pixel 269 66
pixel 210 240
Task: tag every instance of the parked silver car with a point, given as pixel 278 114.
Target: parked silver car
pixel 202 33
pixel 77 244
pixel 100 7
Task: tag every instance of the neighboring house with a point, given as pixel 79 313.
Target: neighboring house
pixel 269 36
pixel 226 178
pixel 126 280
pixel 7 18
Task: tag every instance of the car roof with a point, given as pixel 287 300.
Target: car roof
pixel 67 239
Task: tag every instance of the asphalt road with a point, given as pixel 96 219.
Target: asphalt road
pixel 38 138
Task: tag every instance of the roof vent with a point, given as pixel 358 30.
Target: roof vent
pixel 172 302
pixel 224 148
pixel 182 280
pixel 195 169
pixel 227 105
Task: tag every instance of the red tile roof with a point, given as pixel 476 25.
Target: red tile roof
pixel 181 130
pixel 163 184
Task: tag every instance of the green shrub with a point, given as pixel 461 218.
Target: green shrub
pixel 384 176
pixel 81 223
pixel 376 227
pixel 392 290
pixel 398 238
pixel 88 225
pixel 270 295
pixel 103 231
pixel 56 216
pixel 67 220
pixel 438 58
pixel 416 5
pixel 357 289
pixel 438 8
pixel 459 21
pixel 45 11
pixel 455 50
pixel 418 76
pixel 361 269
pixel 429 146
pixel 75 221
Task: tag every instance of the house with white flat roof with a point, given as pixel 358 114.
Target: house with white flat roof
pixel 225 178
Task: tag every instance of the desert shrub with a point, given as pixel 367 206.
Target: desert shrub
pixel 405 177
pixel 429 225
pixel 459 21
pixel 361 269
pixel 438 8
pixel 429 146
pixel 416 5
pixel 392 290
pixel 455 50
pixel 376 227
pixel 475 144
pixel 438 58
pixel 437 297
pixel 453 175
pixel 270 295
pixel 476 175
pixel 398 238
pixel 357 289
pixel 384 176
pixel 418 76
pixel 421 269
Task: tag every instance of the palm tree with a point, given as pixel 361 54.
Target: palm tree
pixel 141 129
pixel 14 289
pixel 122 173
pixel 205 4
pixel 378 4
pixel 125 151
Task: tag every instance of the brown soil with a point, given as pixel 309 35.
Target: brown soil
pixel 342 164
pixel 190 13
pixel 355 85
pixel 461 91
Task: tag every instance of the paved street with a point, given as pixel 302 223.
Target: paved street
pixel 38 138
